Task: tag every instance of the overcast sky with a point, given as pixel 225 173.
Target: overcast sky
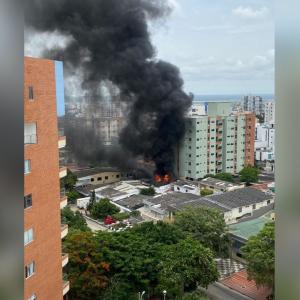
pixel 220 46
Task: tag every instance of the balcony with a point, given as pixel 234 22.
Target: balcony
pixel 62 172
pixel 64 259
pixel 63 198
pixel 63 230
pixel 62 142
pixel 66 285
pixel 30 139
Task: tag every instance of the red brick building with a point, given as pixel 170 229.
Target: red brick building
pixel 43 231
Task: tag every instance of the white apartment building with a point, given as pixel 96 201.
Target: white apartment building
pixel 264 142
pixel 197 108
pixel 217 142
pixel 269 112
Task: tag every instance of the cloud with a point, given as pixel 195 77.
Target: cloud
pixel 250 13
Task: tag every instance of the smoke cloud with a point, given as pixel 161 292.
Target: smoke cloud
pixel 110 40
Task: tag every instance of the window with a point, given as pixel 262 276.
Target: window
pixel 100 178
pixel 117 175
pixel 254 206
pixel 30 92
pixel 29 270
pixel 240 209
pixel 30 136
pixel 106 177
pixel 28 201
pixel 32 297
pixel 269 201
pixel 27 166
pixel 28 236
pixel 92 179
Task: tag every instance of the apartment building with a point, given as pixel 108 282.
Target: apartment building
pixel 265 142
pixel 217 142
pixel 253 104
pixel 269 112
pixel 43 232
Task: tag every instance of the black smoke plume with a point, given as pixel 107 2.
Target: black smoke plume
pixel 110 40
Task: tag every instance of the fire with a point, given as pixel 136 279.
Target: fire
pixel 162 178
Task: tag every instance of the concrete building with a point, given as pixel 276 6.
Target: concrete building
pixel 197 108
pixel 43 231
pixel 235 205
pixel 265 142
pixel 269 112
pixel 97 176
pixel 253 104
pixel 219 185
pixel 217 142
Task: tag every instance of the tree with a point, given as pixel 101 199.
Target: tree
pixel 224 176
pixel 69 181
pixel 72 196
pixel 148 191
pixel 259 253
pixel 184 266
pixel 74 220
pixel 206 192
pixel 249 174
pixel 87 270
pixel 103 208
pixel 91 202
pixel 205 224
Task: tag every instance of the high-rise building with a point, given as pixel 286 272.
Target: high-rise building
pixel 269 112
pixel 217 142
pixel 43 198
pixel 253 104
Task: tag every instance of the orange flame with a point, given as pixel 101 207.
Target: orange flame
pixel 162 178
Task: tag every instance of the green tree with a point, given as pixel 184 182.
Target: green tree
pixel 120 216
pixel 249 175
pixel 184 266
pixel 196 295
pixel 74 220
pixel 72 196
pixel 206 192
pixel 69 181
pixel 91 202
pixel 103 208
pixel 87 270
pixel 259 253
pixel 205 224
pixel 224 176
pixel 148 191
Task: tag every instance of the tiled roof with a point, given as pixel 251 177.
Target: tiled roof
pixel 241 197
pixel 239 282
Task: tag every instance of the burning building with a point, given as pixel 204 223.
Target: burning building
pixel 109 41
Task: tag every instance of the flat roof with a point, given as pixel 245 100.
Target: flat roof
pixel 218 183
pixel 248 228
pixel 93 171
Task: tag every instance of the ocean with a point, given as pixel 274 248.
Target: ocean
pixel 230 98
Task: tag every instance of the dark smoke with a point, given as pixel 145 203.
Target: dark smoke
pixel 111 41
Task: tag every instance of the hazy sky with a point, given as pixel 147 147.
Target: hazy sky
pixel 220 46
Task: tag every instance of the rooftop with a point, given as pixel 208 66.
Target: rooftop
pixel 219 183
pixel 248 228
pixel 133 202
pixel 92 171
pixel 241 197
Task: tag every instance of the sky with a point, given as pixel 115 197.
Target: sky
pixel 221 47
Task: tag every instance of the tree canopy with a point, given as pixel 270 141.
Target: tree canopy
pixel 206 192
pixel 205 224
pixel 69 181
pixel 148 191
pixel 249 175
pixel 103 208
pixel 260 255
pixel 150 257
pixel 74 220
